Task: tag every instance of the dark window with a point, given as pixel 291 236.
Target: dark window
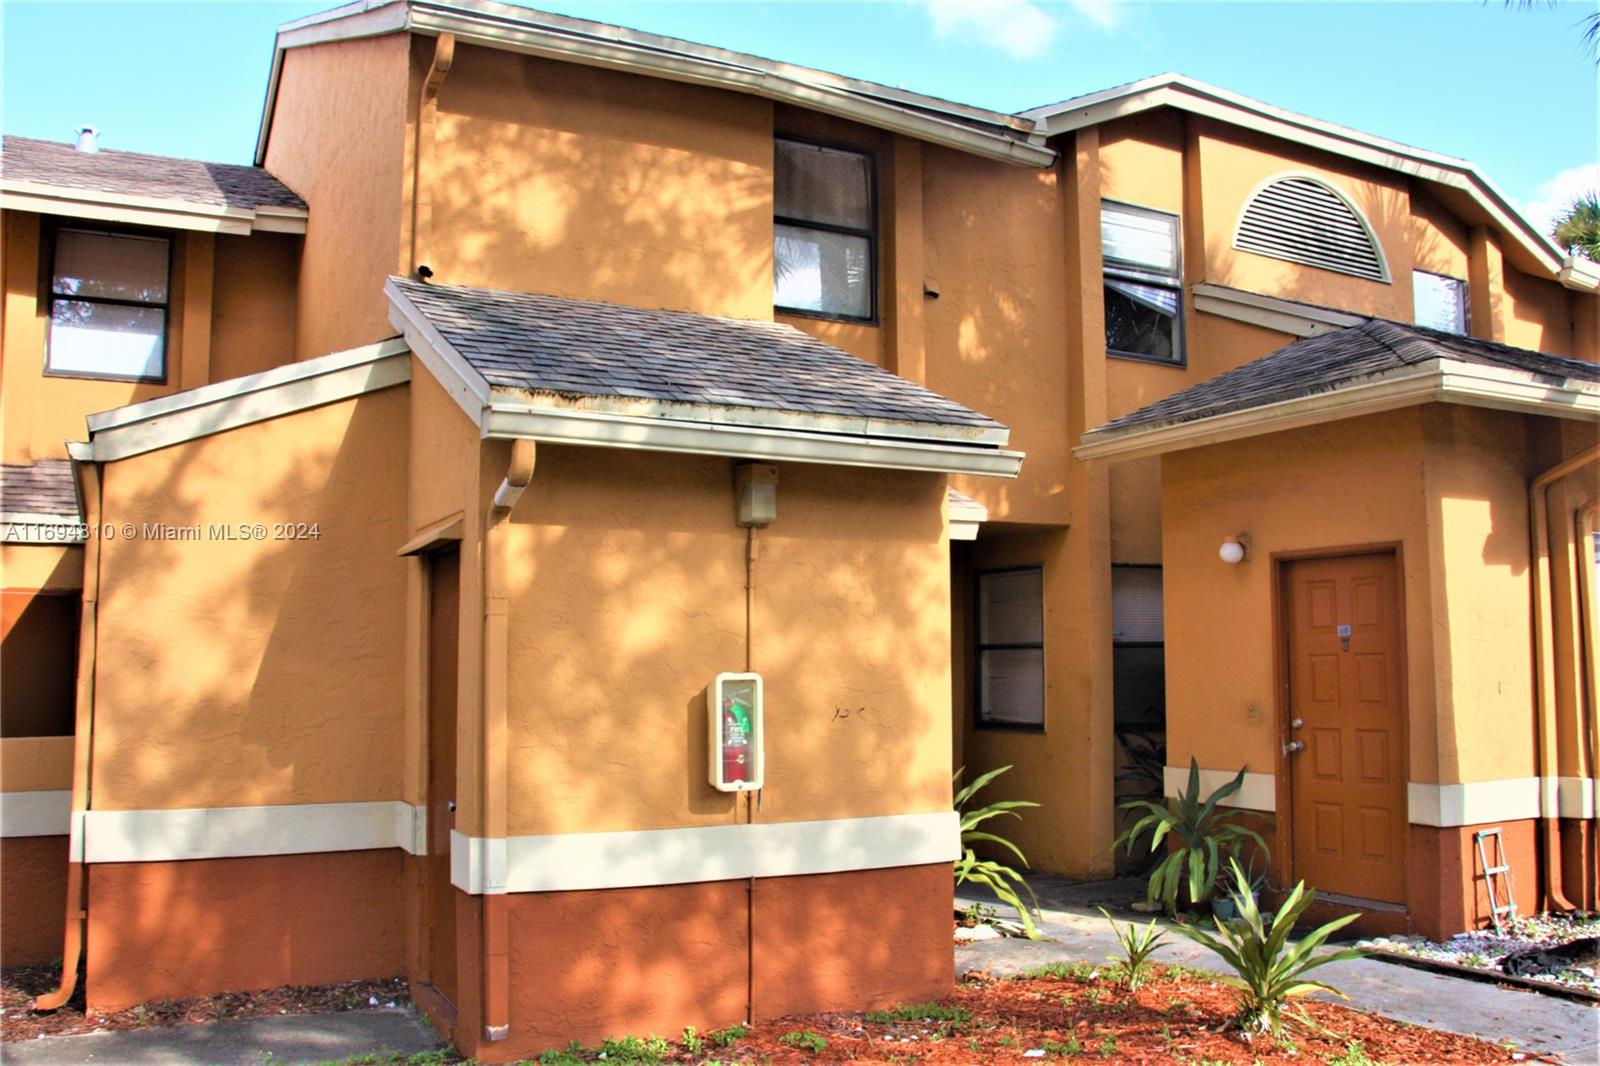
pixel 39 664
pixel 1143 283
pixel 1011 648
pixel 108 306
pixel 1138 647
pixel 823 237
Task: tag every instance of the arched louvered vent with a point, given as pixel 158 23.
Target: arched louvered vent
pixel 1306 221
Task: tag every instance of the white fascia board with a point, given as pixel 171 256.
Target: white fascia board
pixel 146 210
pixel 184 416
pixel 596 429
pixel 1434 381
pixel 235 832
pixel 518 29
pixel 35 814
pixel 1271 312
pixel 459 378
pixel 26 527
pixel 572 862
pixel 965 515
pixel 1187 94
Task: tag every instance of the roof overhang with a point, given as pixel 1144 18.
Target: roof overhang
pixel 1271 312
pixel 517 29
pixel 1432 381
pixel 1196 97
pixel 28 527
pixel 184 416
pixel 965 514
pixel 148 210
pixel 699 429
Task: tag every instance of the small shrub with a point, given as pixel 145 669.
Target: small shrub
pixel 727 1037
pixel 635 1049
pixel 1270 971
pixel 692 1043
pixel 997 877
pixel 1138 944
pixel 806 1039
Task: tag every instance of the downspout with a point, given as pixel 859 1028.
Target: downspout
pixel 1545 673
pixel 496 959
pixel 444 53
pixel 88 473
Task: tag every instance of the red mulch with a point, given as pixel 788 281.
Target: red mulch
pixel 19 984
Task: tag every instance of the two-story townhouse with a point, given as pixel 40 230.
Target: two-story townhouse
pixel 668 401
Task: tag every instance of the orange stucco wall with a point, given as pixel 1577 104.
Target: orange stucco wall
pixel 338 139
pixel 266 671
pixel 253 303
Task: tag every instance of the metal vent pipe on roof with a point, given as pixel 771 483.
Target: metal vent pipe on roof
pixel 88 140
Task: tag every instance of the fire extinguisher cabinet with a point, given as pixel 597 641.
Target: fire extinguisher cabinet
pixel 733 705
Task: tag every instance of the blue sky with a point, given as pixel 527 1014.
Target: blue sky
pixel 1509 89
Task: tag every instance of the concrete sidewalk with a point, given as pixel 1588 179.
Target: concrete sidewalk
pixel 281 1041
pixel 1537 1024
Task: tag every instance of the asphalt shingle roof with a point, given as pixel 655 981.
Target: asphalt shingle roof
pixel 137 174
pixel 1335 360
pixel 581 348
pixel 44 487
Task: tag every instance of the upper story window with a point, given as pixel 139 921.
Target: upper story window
pixel 1440 301
pixel 1143 282
pixel 1305 220
pixel 1010 648
pixel 823 232
pixel 108 305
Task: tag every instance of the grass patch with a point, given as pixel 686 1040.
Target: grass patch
pixel 1059 971
pixel 919 1012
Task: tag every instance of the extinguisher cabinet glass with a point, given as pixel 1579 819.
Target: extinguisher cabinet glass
pixel 735 706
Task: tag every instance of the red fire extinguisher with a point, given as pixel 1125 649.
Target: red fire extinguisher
pixel 735 740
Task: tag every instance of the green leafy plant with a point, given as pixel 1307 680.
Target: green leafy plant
pixel 693 1043
pixel 1063 1048
pixel 997 877
pixel 1138 942
pixel 805 1038
pixel 727 1037
pixel 919 1012
pixel 1203 838
pixel 1271 971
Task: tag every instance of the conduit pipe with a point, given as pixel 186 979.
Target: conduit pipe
pixel 496 958
pixel 88 474
pixel 1545 672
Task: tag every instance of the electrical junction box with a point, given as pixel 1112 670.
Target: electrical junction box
pixel 733 703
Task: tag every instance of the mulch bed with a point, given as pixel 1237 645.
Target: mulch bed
pixel 20 984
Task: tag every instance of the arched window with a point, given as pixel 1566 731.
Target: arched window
pixel 1305 220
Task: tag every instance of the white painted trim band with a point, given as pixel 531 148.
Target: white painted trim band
pixel 236 832
pixel 1271 312
pixel 189 415
pixel 583 861
pixel 35 814
pixel 148 210
pixel 1259 792
pixel 26 527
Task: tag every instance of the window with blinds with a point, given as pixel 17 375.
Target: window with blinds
pixel 1305 220
pixel 1143 282
pixel 1440 301
pixel 1138 647
pixel 823 231
pixel 1010 667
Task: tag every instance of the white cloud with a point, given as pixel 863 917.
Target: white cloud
pixel 1106 14
pixel 1554 196
pixel 1017 27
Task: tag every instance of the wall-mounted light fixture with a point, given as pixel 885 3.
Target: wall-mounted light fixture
pixel 1235 550
pixel 755 487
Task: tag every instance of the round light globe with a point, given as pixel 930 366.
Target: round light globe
pixel 1231 552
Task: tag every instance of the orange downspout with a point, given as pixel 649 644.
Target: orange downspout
pixel 88 474
pixel 1545 673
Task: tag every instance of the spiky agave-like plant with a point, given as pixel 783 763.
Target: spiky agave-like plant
pixel 999 878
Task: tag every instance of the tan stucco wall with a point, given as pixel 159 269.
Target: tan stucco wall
pixel 36 764
pixel 253 303
pixel 627 596
pixel 588 183
pixel 40 566
pixel 235 673
pixel 338 138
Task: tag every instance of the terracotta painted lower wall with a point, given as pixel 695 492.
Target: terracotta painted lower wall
pixel 162 930
pixel 33 892
pixel 1449 895
pixel 639 961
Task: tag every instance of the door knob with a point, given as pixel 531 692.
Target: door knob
pixel 451 805
pixel 1297 723
pixel 1294 746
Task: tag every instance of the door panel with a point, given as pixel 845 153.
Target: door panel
pixel 444 592
pixel 1347 785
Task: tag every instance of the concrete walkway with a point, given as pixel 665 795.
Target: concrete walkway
pixel 1537 1024
pixel 281 1041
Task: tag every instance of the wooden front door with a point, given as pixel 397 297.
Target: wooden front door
pixel 1347 711
pixel 444 593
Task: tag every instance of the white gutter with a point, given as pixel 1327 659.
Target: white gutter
pixel 1434 381
pixel 48 199
pixel 1197 97
pixel 521 30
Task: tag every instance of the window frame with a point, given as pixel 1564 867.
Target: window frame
pixel 48 285
pixel 1466 300
pixel 871 233
pixel 979 647
pixel 1174 282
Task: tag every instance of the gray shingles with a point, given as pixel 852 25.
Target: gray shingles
pixel 577 348
pixel 138 174
pixel 1335 360
pixel 44 487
